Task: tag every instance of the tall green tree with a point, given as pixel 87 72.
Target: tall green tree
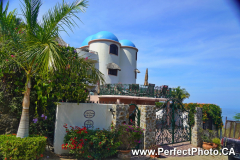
pixel 180 93
pixel 35 46
pixel 237 117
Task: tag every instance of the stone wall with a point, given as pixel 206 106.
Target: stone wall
pixel 148 123
pixel 196 135
pixel 121 114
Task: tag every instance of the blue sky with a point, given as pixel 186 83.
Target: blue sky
pixel 190 43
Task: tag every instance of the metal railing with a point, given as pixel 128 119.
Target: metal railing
pixel 136 90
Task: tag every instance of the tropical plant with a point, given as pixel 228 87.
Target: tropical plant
pixel 237 117
pixel 130 136
pixel 208 111
pixel 217 141
pixel 207 135
pixel 41 53
pixel 180 93
pixel 90 144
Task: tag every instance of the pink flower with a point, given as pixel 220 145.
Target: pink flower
pixel 6 59
pixel 86 58
pixel 12 56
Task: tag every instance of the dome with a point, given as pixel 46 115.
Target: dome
pixel 85 42
pixel 126 42
pixel 105 35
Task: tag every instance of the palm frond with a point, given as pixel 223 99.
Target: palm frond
pixel 41 38
pixel 62 15
pixel 30 10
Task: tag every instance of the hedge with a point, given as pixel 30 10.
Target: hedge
pixel 12 147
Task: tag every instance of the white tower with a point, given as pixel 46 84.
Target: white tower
pixel 116 60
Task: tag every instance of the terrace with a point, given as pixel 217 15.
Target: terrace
pixel 131 93
pixel 136 90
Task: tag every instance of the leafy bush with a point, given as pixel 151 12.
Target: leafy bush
pixel 12 147
pixel 130 136
pixel 66 85
pixel 207 135
pixel 217 141
pixel 208 110
pixel 91 144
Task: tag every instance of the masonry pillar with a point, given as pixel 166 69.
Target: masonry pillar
pixel 121 114
pixel 148 123
pixel 196 135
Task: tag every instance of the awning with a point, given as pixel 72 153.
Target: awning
pixel 113 66
pixel 136 70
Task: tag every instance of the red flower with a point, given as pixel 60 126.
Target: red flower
pixel 41 155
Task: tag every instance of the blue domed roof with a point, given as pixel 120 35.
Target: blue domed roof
pixel 126 42
pixel 85 42
pixel 105 35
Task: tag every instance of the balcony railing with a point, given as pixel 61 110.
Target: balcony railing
pixel 136 90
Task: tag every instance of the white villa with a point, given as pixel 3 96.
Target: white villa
pixel 117 60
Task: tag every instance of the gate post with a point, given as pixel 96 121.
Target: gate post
pixel 148 123
pixel 196 136
pixel 173 121
pixel 121 114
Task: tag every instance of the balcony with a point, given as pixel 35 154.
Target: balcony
pixel 136 90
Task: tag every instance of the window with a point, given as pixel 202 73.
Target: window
pixel 135 75
pixel 114 49
pixel 112 72
pixel 136 55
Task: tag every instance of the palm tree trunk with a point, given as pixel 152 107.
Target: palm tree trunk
pixel 23 128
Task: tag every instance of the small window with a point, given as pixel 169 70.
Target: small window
pixel 114 49
pixel 136 55
pixel 112 72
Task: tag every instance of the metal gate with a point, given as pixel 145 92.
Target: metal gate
pixel 134 119
pixel 172 123
pixel 134 116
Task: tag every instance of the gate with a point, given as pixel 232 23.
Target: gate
pixel 172 124
pixel 134 116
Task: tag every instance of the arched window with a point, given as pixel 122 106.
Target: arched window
pixel 113 49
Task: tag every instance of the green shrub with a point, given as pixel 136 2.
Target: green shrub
pixel 217 141
pixel 130 136
pixel 30 148
pixel 208 135
pixel 91 144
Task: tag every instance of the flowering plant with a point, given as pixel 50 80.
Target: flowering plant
pixel 91 144
pixel 130 136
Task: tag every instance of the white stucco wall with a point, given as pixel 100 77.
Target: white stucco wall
pixel 128 65
pixel 73 115
pixel 102 47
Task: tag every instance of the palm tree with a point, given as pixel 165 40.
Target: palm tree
pixel 180 93
pixel 40 53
